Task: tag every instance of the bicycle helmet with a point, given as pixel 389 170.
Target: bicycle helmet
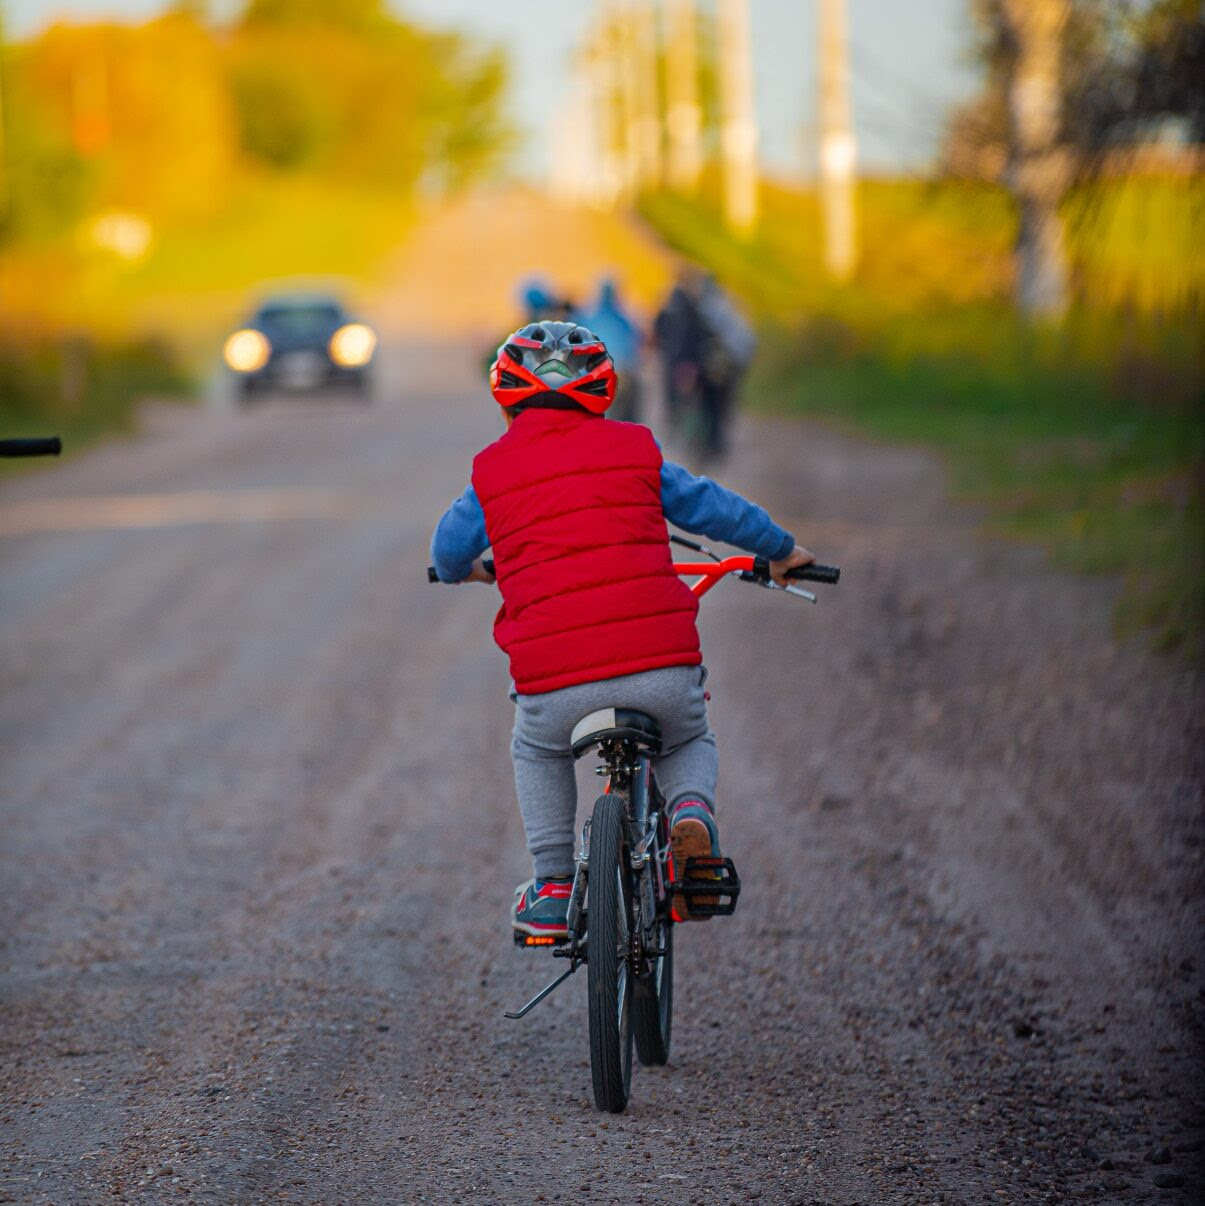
pixel 554 365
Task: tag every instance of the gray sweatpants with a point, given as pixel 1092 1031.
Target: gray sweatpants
pixel 544 777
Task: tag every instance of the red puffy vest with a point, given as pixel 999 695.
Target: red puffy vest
pixel 573 512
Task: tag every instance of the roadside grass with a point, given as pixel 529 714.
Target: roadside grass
pixel 81 389
pixel 1087 438
pixel 1106 486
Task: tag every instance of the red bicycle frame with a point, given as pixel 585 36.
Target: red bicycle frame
pixel 710 572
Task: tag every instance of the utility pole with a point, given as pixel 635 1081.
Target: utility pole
pixel 738 121
pixel 838 151
pixel 1039 168
pixel 602 67
pixel 646 127
pixel 683 117
pixel 5 187
pixel 621 50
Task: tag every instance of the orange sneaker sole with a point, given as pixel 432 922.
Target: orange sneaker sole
pixel 689 838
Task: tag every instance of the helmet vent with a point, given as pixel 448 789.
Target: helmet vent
pixel 510 381
pixel 597 388
pixel 540 334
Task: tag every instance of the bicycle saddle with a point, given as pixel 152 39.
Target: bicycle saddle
pixel 615 722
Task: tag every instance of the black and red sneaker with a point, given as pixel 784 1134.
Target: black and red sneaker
pixel 542 908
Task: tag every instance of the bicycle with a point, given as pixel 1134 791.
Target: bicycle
pixel 627 895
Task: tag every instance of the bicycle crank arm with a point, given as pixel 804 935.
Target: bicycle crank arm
pixel 545 991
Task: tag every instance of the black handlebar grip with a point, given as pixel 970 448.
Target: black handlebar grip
pixel 35 446
pixel 816 573
pixel 487 565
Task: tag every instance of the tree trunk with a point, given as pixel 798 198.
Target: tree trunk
pixel 738 119
pixel 1038 170
pixel 838 150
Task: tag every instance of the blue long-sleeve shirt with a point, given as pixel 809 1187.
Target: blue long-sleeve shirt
pixel 695 504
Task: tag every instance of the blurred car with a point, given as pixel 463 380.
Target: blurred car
pixel 301 341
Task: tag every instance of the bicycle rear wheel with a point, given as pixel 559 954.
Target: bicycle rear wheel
pixel 608 895
pixel 653 1001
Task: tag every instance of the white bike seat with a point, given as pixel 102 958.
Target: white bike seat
pixel 615 722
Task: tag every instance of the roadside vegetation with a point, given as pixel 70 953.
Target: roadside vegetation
pixel 1086 436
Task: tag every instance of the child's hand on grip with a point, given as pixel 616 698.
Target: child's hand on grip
pixel 480 574
pixel 798 556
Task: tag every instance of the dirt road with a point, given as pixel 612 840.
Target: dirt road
pixel 259 844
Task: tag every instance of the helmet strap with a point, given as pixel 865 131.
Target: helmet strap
pixel 549 401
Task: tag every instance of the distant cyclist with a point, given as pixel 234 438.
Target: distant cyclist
pixel 593 615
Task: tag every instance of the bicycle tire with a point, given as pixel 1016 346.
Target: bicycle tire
pixel 608 894
pixel 653 1003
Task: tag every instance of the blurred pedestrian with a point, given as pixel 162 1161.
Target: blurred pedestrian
pixel 615 327
pixel 539 301
pixel 681 336
pixel 536 300
pixel 728 352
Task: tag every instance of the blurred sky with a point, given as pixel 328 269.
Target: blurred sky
pixel 909 64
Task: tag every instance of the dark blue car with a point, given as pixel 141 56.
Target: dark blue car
pixel 301 342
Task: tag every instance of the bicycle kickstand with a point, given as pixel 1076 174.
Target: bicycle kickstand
pixel 575 963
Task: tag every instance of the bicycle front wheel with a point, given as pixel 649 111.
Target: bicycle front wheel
pixel 608 940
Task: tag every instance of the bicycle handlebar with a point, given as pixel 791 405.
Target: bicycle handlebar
pixel 749 569
pixel 33 446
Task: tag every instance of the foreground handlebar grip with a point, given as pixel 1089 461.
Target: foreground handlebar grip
pixel 816 573
pixel 488 565
pixel 805 573
pixel 34 446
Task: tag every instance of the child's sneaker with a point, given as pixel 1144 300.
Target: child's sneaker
pixel 693 833
pixel 542 908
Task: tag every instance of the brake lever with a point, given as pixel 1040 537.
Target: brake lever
pixel 796 590
pixel 770 584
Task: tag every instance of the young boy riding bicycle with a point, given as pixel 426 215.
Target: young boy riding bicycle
pixel 593 616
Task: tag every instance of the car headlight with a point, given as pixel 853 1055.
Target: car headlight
pixel 351 346
pixel 246 351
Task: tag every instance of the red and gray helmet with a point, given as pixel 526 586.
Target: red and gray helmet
pixel 555 365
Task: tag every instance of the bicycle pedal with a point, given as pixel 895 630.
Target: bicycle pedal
pixel 715 878
pixel 542 941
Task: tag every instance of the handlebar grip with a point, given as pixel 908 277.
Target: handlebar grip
pixel 33 446
pixel 816 573
pixel 487 565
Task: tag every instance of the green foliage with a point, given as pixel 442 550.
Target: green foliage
pixel 79 388
pixel 282 121
pixel 364 18
pixel 45 183
pixel 162 119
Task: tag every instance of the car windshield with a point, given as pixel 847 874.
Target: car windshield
pixel 301 318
